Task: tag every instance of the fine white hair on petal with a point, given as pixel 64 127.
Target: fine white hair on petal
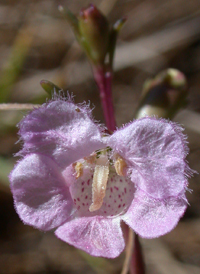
pixel 152 218
pixel 95 235
pixel 61 130
pixel 155 150
pixel 41 196
pixel 149 194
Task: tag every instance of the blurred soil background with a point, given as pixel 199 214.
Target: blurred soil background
pixel 36 43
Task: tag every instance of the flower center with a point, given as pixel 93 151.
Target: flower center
pixel 100 186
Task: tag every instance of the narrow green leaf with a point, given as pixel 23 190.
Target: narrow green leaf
pixel 14 64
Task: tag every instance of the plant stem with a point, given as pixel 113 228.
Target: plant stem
pixel 16 106
pixel 134 258
pixel 104 82
pixel 129 250
pixel 137 265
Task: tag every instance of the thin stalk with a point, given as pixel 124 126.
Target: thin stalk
pixel 129 250
pixel 104 82
pixel 137 265
pixel 16 106
pixel 108 84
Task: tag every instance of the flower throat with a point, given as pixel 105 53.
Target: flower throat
pixel 103 166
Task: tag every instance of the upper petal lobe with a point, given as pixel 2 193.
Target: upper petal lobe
pixel 61 130
pixel 155 151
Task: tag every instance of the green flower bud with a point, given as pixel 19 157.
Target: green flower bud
pixel 93 33
pixel 164 95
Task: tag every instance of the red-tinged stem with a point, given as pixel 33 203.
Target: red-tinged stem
pixel 104 81
pixel 137 265
pixel 128 236
pixel 134 259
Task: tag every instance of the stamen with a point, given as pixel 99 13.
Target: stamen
pixel 100 179
pixel 78 169
pixel 120 166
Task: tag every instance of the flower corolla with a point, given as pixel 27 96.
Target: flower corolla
pixel 76 179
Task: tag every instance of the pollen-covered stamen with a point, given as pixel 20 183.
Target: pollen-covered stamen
pixel 120 166
pixel 100 179
pixel 78 169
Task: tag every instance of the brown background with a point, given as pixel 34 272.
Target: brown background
pixel 36 43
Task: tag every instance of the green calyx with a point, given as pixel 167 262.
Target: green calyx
pixel 94 34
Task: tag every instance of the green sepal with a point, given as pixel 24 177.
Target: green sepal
pixel 71 19
pixel 50 87
pixel 113 38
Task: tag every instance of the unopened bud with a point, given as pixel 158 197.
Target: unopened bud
pixel 94 33
pixel 164 95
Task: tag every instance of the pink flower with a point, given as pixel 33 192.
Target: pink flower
pixel 75 179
